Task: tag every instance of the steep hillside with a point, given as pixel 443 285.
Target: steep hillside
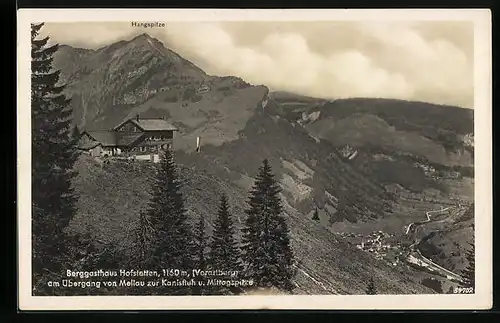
pixel 216 115
pixel 311 172
pixel 430 120
pixel 112 195
pixel 412 144
pixel 142 76
pixel 447 126
pixel 362 129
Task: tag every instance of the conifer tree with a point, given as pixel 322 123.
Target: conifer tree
pixel 53 157
pixel 468 273
pixel 141 249
pixel 200 260
pixel 370 289
pixel 144 233
pixel 173 243
pixel 224 250
pixel 315 215
pixel 266 242
pixel 201 242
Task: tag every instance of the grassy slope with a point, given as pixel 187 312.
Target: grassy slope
pixel 217 117
pixel 112 195
pixel 362 129
pixel 423 129
pixel 406 115
pixel 268 136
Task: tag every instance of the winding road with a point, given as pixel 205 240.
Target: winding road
pixel 428 214
pixel 423 260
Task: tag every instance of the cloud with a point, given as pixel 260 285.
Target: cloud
pixel 88 34
pixel 423 61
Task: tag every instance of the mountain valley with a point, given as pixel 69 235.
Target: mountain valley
pixel 366 164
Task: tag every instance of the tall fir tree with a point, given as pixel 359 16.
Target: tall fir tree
pixel 201 243
pixel 200 261
pixel 225 253
pixel 266 243
pixel 371 289
pixel 468 274
pixel 173 241
pixel 54 154
pixel 144 234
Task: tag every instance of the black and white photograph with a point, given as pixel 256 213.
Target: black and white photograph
pixel 254 159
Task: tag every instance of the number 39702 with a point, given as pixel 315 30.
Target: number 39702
pixel 463 290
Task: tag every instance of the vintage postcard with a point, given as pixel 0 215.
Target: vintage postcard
pixel 254 159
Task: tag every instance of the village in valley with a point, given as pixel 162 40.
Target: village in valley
pixel 400 249
pixel 384 246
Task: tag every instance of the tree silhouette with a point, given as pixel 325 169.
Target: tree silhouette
pixel 200 259
pixel 266 242
pixel 53 157
pixel 224 251
pixel 144 234
pixel 173 242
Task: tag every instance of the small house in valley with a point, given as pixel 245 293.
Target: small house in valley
pixel 140 138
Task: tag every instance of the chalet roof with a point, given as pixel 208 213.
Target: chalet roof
pixel 89 145
pixel 111 138
pixel 127 139
pixel 154 124
pixel 106 138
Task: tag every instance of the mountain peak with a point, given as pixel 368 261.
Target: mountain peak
pixel 144 37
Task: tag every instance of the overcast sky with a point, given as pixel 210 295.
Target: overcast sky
pixel 425 61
